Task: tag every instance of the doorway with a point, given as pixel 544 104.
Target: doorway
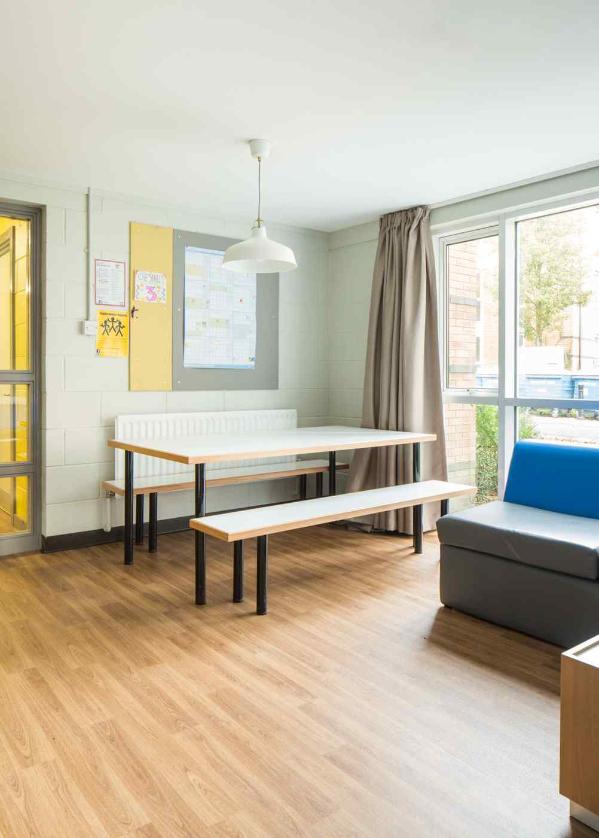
pixel 20 438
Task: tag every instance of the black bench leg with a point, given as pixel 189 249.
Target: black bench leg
pixel 417 510
pixel 262 574
pixel 417 526
pixel 319 485
pixel 238 571
pixel 303 486
pixel 200 538
pixel 128 534
pixel 139 519
pixel 332 473
pixel 444 506
pixel 153 528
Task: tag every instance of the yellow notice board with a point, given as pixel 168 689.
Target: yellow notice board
pixel 112 336
pixel 151 342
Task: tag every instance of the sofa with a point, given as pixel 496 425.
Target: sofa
pixel 531 561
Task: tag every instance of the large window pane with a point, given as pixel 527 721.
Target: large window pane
pixel 14 505
pixel 572 427
pixel 472 438
pixel 15 298
pixel 558 305
pixel 472 321
pixel 14 423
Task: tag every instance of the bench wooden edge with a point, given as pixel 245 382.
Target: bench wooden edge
pixel 203 525
pixel 214 480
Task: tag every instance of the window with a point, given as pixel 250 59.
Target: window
pixel 520 338
pixel 569 426
pixel 472 268
pixel 472 448
pixel 558 305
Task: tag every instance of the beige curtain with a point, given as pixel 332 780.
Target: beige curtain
pixel 402 382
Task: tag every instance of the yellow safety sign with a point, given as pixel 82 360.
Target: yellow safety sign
pixel 112 338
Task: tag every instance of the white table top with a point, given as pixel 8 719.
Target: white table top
pixel 210 448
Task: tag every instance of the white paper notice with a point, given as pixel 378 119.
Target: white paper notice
pixel 220 313
pixel 150 287
pixel 111 283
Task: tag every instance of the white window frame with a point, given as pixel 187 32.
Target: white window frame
pixel 506 397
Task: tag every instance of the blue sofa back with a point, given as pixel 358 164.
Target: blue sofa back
pixel 560 478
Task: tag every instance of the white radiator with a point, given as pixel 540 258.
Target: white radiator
pixel 172 425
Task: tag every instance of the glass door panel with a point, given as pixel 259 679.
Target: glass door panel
pixel 14 505
pixel 18 456
pixel 15 296
pixel 14 423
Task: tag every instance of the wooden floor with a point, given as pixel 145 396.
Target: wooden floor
pixel 357 707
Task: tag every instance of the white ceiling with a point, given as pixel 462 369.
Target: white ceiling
pixel 371 106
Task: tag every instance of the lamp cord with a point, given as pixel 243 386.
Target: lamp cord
pixel 259 220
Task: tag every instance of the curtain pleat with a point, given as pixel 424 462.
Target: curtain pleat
pixel 402 381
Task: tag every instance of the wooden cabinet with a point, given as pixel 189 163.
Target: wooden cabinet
pixel 579 745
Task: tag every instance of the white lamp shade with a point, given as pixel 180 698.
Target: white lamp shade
pixel 259 255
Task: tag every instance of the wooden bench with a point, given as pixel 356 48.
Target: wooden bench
pixel 159 484
pixel 261 522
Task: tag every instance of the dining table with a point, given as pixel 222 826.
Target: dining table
pixel 203 449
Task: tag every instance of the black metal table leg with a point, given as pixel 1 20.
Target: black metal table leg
pixel 319 484
pixel 139 519
pixel 262 574
pixel 153 528
pixel 238 571
pixel 200 538
pixel 128 534
pixel 416 510
pixel 444 506
pixel 332 473
pixel 303 486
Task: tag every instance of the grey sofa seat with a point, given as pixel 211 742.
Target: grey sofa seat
pixel 566 544
pixel 531 562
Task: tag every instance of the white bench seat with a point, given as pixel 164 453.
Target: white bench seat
pixel 263 521
pixel 156 484
pixel 221 477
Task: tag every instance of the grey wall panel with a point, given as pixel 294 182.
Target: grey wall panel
pixel 265 375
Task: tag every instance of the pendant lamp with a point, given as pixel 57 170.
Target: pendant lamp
pixel 259 254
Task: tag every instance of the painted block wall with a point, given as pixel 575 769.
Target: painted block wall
pixel 83 393
pixel 351 260
pixel 350 281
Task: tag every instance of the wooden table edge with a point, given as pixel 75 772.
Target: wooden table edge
pixel 252 452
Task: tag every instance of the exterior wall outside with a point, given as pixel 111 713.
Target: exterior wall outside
pixel 463 311
pixel 463 317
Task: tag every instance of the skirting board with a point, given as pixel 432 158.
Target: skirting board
pixel 94 538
